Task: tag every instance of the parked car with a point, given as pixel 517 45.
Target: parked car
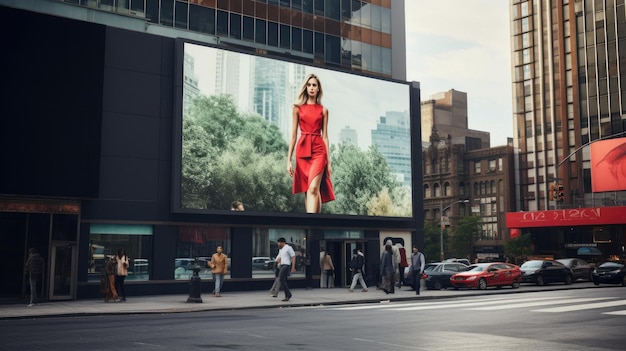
pixel 437 275
pixel 611 272
pixel 465 261
pixel 483 275
pixel 262 263
pixel 581 269
pixel 542 272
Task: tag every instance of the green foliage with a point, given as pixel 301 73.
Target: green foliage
pixel 360 177
pixel 432 243
pixel 519 247
pixel 466 230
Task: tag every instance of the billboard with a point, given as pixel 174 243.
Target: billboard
pixel 608 165
pixel 237 123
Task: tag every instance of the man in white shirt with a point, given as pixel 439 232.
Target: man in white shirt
pixel 286 255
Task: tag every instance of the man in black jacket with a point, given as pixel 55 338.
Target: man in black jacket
pixel 356 266
pixel 34 268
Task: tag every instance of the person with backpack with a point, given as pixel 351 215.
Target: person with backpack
pixel 417 268
pixel 356 267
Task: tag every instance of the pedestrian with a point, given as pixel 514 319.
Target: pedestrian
pixel 417 268
pixel 396 262
pixel 402 265
pixel 34 269
pixel 276 286
pixel 387 271
pixel 329 269
pixel 356 267
pixel 287 259
pixel 109 268
pixel 218 267
pixel 121 273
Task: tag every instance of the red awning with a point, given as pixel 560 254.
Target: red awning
pixel 565 218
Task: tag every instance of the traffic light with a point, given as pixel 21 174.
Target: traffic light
pixel 552 192
pixel 560 193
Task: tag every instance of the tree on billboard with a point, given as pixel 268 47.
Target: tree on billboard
pixel 227 156
pixel 466 229
pixel 197 158
pixel 358 177
pixel 383 203
pixel 258 180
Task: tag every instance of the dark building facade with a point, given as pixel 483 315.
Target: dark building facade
pixel 88 142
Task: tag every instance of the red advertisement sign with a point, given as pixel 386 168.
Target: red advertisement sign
pixel 608 165
pixel 569 217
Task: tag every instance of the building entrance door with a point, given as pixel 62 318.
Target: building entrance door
pixel 62 271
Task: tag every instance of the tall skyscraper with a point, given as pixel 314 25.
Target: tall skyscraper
pixel 391 136
pixel 569 88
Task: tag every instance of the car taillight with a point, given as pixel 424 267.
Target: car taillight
pixel 424 275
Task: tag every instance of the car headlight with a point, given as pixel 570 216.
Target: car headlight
pixel 471 278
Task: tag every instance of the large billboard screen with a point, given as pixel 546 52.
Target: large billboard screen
pixel 237 127
pixel 608 165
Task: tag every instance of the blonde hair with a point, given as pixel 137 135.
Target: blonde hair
pixel 302 96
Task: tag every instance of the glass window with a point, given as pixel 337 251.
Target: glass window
pixel 492 165
pixel 366 56
pixel 259 34
pixel 319 43
pixel 345 10
pixel 235 26
pixel 272 34
pixel 307 41
pixel 296 39
pixel 319 7
pixel 333 49
pixel 265 250
pixel 202 19
pixel 248 28
pixel 356 54
pixel 377 64
pixel 167 13
pixel 199 242
pixel 307 6
pixel 376 20
pixel 285 36
pixel 222 22
pixel 356 13
pixel 106 239
pixel 331 8
pixel 181 15
pixel 477 167
pixel 385 17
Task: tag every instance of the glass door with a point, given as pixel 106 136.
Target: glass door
pixel 62 271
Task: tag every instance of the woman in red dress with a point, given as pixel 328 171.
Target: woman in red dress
pixel 313 171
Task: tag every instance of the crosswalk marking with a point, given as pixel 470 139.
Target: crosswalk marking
pixel 568 304
pixel 436 305
pixel 584 307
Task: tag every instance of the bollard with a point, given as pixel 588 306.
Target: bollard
pixel 194 285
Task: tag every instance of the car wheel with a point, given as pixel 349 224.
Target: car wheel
pixel 624 280
pixel 568 279
pixel 595 282
pixel 540 280
pixel 482 284
pixel 515 284
pixel 437 286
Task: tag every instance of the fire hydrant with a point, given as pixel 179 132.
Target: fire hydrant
pixel 194 285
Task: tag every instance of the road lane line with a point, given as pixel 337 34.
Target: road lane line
pixel 468 304
pixel 584 307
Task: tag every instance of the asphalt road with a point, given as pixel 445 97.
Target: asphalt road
pixel 578 319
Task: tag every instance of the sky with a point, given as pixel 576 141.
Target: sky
pixel 464 45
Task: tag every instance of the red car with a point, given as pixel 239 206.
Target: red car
pixel 482 275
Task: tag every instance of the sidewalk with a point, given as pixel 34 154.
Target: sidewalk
pixel 241 300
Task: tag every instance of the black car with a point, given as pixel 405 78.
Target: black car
pixel 581 269
pixel 609 273
pixel 437 275
pixel 542 272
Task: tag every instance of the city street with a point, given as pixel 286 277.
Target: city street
pixel 569 319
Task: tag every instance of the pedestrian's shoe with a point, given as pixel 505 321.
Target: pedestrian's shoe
pixel 123 299
pixel 350 290
pixel 218 295
pixel 364 290
pixel 30 305
pixel 286 299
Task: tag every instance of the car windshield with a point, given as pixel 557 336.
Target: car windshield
pixel 532 264
pixel 429 267
pixel 474 268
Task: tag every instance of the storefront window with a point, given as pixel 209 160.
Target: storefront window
pixel 199 242
pixel 265 249
pixel 106 239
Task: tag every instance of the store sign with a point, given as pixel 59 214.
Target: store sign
pixel 568 217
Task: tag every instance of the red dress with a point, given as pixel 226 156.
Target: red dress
pixel 311 153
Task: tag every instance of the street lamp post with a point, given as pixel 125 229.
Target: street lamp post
pixel 441 210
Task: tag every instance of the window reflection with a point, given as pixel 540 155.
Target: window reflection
pixel 265 250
